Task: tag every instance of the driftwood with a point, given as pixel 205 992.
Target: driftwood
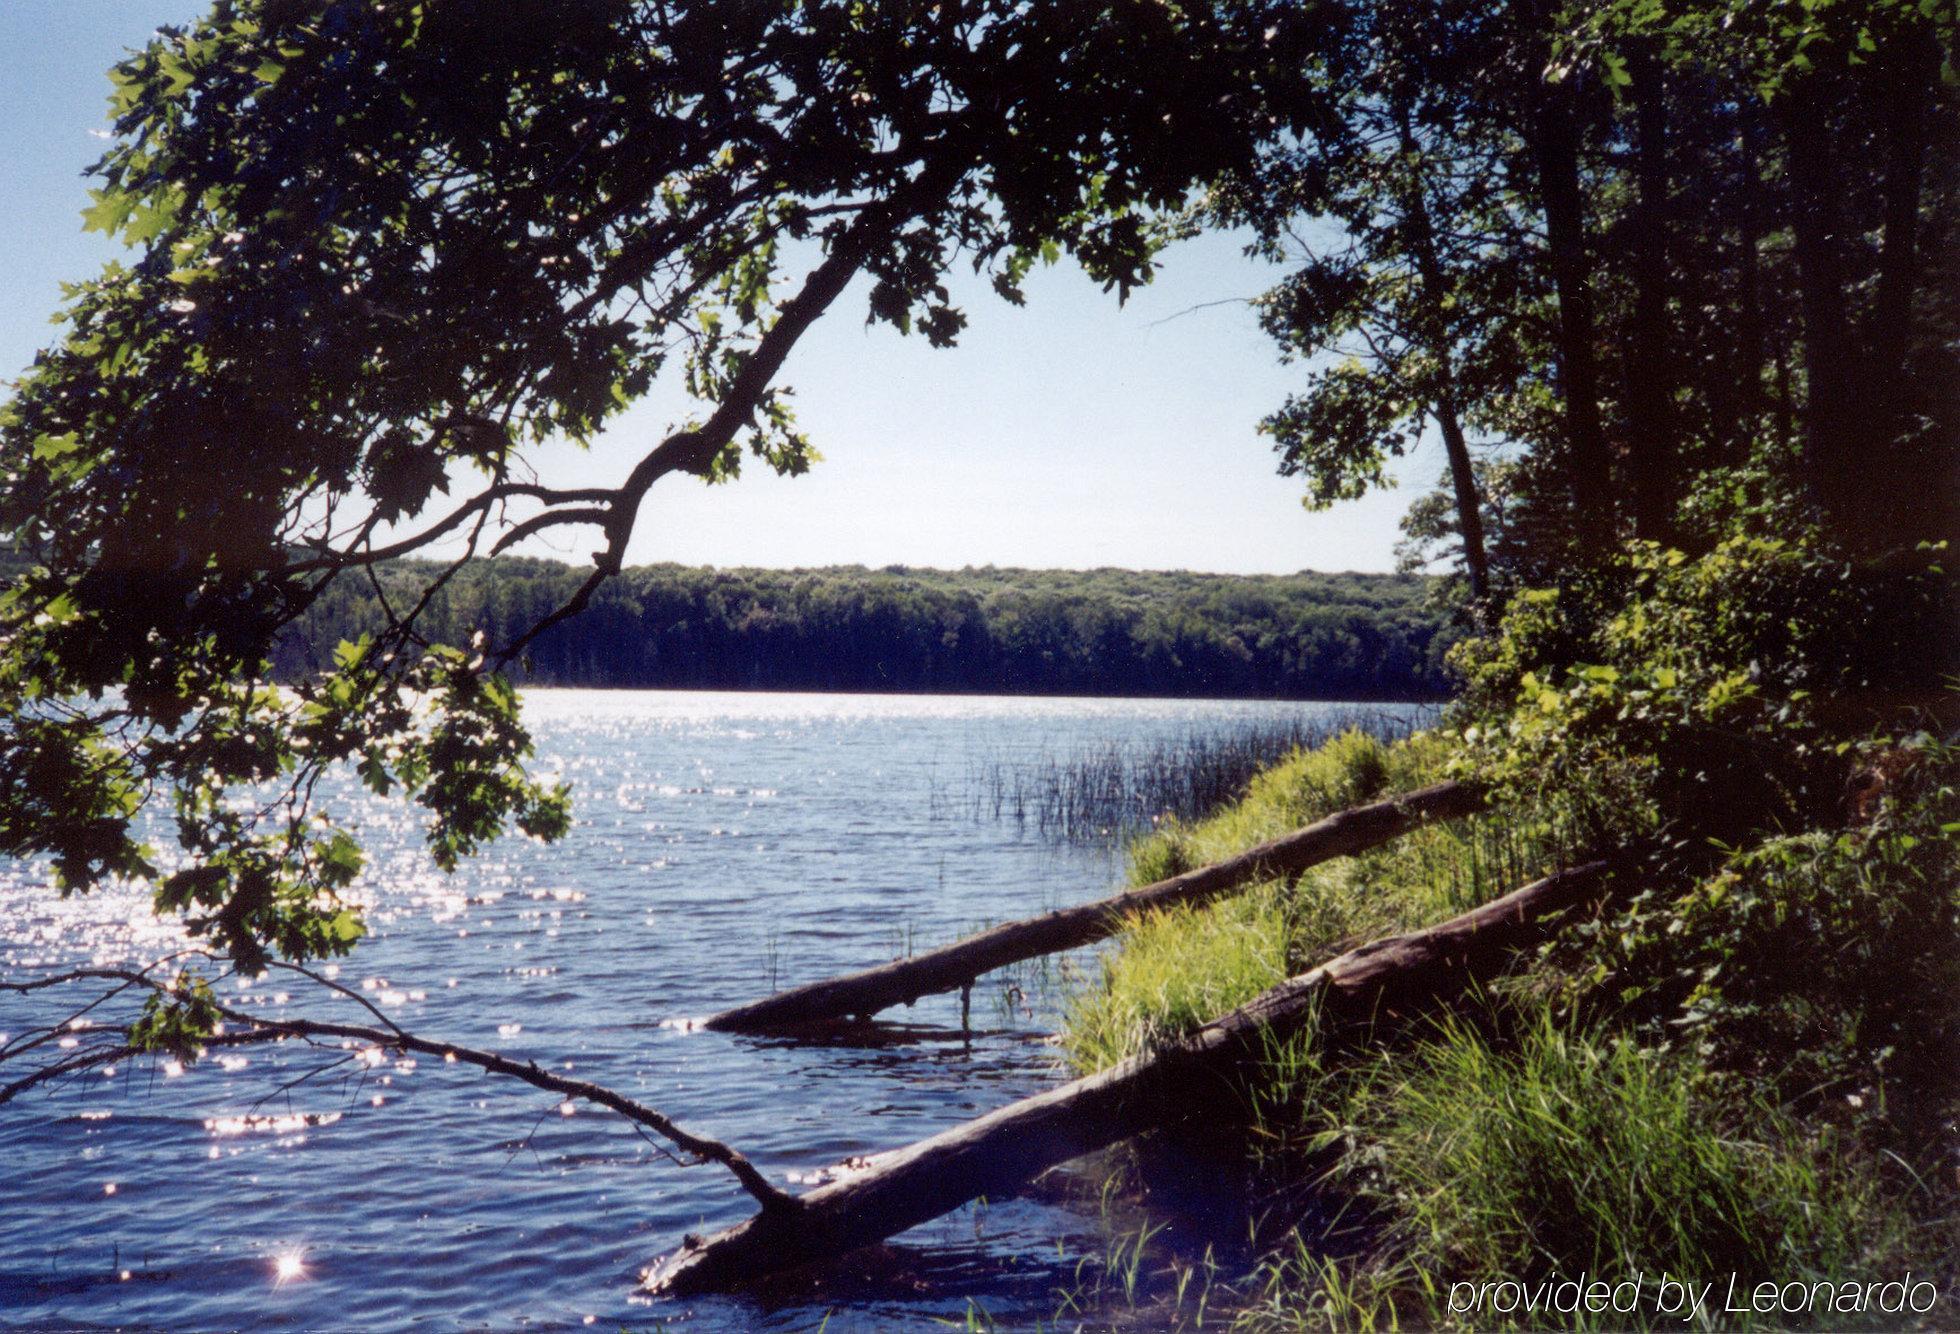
pixel 956 966
pixel 1001 1151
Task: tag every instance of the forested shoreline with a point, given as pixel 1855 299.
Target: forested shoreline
pixel 995 631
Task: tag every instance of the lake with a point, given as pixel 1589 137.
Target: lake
pixel 725 844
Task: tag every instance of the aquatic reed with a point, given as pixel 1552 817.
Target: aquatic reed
pixel 1113 790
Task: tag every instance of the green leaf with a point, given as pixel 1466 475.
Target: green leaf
pixel 177 74
pixel 149 222
pixel 60 611
pixel 107 213
pixel 341 858
pixel 56 446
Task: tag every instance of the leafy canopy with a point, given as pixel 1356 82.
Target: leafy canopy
pixel 379 250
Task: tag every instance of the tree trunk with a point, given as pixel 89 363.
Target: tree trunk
pixel 1748 388
pixel 954 966
pixel 1469 504
pixel 1001 1151
pixel 1649 383
pixel 1554 135
pixel 1833 467
pixel 1429 268
pixel 1912 64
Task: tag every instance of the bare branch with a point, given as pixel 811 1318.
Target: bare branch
pixel 1202 305
pixel 482 500
pixel 263 1029
pixel 537 523
pixel 348 992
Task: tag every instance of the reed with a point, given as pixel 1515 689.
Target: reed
pixel 1114 790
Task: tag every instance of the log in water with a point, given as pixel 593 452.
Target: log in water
pixel 1004 1149
pixel 951 967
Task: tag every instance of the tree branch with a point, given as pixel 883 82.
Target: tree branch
pixel 262 1029
pixel 695 449
pixel 537 523
pixel 338 560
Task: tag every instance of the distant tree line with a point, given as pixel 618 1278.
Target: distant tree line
pixel 1067 632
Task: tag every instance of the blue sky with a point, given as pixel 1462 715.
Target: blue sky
pixel 1068 433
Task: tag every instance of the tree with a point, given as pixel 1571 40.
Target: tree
pixel 1430 532
pixel 1638 243
pixel 1419 304
pixel 847 628
pixel 1854 91
pixel 381 250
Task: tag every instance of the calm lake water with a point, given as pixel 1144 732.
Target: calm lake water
pixel 725 843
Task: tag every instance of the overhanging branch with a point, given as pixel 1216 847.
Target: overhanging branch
pixel 695 449
pixel 259 1028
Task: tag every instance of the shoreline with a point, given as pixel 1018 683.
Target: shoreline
pixel 1360 701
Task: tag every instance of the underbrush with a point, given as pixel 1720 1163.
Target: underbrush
pixel 1748 1067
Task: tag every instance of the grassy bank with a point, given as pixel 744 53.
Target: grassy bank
pixel 1744 1069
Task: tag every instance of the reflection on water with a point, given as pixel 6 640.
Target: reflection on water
pixel 724 843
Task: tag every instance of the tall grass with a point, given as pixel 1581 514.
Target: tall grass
pixel 1552 1152
pixel 1565 1150
pixel 1114 790
pixel 1175 970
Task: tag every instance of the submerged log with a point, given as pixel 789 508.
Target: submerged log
pixel 953 967
pixel 1003 1150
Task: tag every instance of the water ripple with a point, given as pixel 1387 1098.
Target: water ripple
pixel 724 843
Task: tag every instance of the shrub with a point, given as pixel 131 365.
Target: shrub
pixel 1828 961
pixel 1695 699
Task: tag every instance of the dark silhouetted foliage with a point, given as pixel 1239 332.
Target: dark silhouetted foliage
pixel 999 631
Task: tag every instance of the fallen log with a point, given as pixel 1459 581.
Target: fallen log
pixel 957 966
pixel 1001 1151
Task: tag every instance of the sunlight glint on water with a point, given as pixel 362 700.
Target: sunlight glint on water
pixel 724 842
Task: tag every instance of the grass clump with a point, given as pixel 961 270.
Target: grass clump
pixel 1537 1156
pixel 1176 970
pixel 1561 1151
pixel 1347 769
